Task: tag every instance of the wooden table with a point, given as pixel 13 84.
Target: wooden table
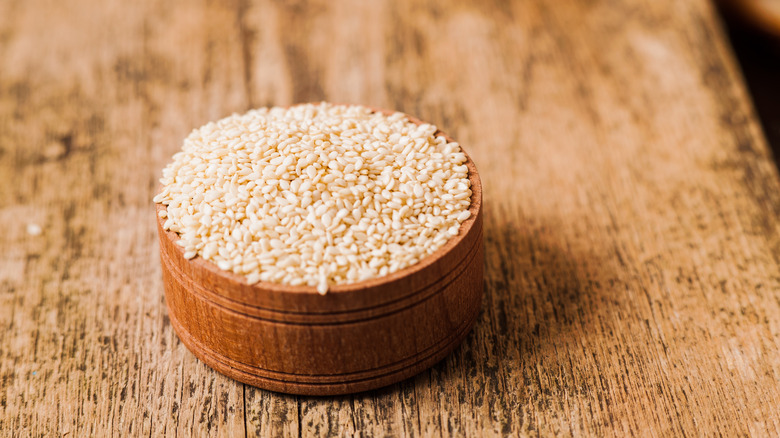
pixel 632 281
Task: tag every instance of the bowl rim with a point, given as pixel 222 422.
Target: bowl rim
pixel 465 228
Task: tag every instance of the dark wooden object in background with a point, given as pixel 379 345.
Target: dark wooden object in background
pixel 758 53
pixel 631 233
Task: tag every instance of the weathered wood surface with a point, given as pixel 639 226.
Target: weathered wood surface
pixel 631 212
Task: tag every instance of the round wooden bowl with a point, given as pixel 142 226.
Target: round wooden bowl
pixel 357 337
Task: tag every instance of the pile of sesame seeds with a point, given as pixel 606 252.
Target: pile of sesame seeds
pixel 315 194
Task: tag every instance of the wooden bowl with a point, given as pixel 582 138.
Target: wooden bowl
pixel 357 337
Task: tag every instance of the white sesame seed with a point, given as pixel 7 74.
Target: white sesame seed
pixel 34 229
pixel 315 195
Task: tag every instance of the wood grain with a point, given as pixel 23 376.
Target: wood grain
pixel 632 278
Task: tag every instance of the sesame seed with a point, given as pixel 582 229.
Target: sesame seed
pixel 34 229
pixel 314 194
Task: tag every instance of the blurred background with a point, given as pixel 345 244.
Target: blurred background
pixel 754 29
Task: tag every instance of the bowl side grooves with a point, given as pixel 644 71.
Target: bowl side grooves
pixel 327 357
